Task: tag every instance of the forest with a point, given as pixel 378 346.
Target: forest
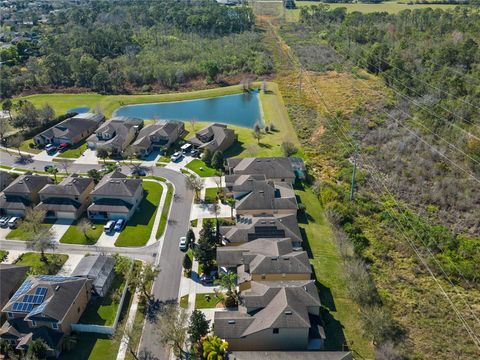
pixel 416 208
pixel 114 47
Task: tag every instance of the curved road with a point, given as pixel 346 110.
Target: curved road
pixel 167 254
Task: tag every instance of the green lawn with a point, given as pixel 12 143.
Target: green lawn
pixel 102 311
pixel 74 152
pixel 51 267
pixel 139 227
pixel 3 255
pixel 21 233
pixel 165 211
pixel 26 147
pixel 75 236
pixel 202 302
pixel 184 301
pixel 211 195
pixel 200 168
pixel 221 221
pixel 341 314
pixel 194 223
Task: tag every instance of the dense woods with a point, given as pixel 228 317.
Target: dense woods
pixel 116 46
pixel 419 153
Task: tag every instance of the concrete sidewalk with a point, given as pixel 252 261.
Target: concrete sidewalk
pixel 122 350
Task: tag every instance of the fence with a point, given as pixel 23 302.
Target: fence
pixel 101 329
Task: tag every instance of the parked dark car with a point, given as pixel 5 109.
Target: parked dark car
pixel 49 168
pixel 119 225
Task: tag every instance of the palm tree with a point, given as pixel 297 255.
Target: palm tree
pixel 228 281
pixel 214 348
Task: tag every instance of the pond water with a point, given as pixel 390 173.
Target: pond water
pixel 240 110
pixel 79 110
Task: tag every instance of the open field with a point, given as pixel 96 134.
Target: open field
pixel 341 315
pixel 139 227
pixel 391 7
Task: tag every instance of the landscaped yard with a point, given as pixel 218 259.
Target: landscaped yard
pixel 139 227
pixel 74 152
pixel 340 313
pixel 221 221
pixel 200 168
pixel 184 301
pixel 207 301
pixel 75 236
pixel 102 311
pixel 26 147
pixel 3 255
pixel 211 195
pixel 51 267
pixel 165 211
pixel 21 233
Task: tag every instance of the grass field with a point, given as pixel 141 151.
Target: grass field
pixel 206 301
pixel 75 236
pixel 51 267
pixel 211 195
pixel 165 211
pixel 184 301
pixel 341 314
pixel 22 233
pixel 391 7
pixel 139 227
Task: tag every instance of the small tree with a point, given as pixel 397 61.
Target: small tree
pixel 102 153
pixel 196 184
pixel 43 241
pixel 142 277
pixel 190 237
pixel 288 148
pixel 16 142
pixel 64 164
pixel 207 156
pixel 187 264
pixel 129 153
pixel 257 128
pixel 37 350
pixel 214 348
pixel 95 175
pixel 217 160
pixel 198 327
pixel 122 265
pixel 231 202
pixel 84 225
pixel 4 128
pixel 228 281
pixel 172 327
pixel 5 348
pixel 53 170
pixel 257 136
pixel 33 219
pixel 205 254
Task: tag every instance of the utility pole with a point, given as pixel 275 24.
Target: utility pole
pixel 352 186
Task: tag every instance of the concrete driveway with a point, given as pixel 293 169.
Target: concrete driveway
pixel 179 164
pixel 60 228
pixel 4 232
pixel 70 264
pixel 88 157
pixel 108 240
pixel 43 156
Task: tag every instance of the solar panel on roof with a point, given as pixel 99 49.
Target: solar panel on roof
pixel 38 309
pixel 37 299
pixel 53 278
pixel 27 284
pixel 15 306
pixel 41 291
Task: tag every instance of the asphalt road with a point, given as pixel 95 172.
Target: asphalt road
pixel 166 254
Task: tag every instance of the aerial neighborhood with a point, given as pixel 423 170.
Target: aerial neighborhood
pixel 239 180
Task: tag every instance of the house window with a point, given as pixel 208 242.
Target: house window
pixel 78 310
pixel 10 315
pixel 55 326
pixel 275 330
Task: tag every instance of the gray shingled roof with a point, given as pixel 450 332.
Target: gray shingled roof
pixel 59 204
pixel 116 184
pixel 9 202
pixel 289 355
pixel 73 126
pixel 110 205
pixel 95 267
pixel 223 137
pixel 271 167
pixel 71 185
pixel 11 277
pixel 27 184
pixel 118 128
pixel 163 129
pixel 5 179
pixel 249 228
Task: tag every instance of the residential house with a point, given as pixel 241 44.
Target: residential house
pixel 274 315
pixel 273 168
pixel 11 277
pixel 68 199
pixel 44 307
pixel 115 197
pixel 249 228
pixel 158 136
pixel 115 134
pixel 70 131
pixel 214 137
pixel 99 269
pixel 265 260
pixel 255 196
pixel 22 193
pixel 6 179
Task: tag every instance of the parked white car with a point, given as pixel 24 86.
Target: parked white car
pixel 4 221
pixel 183 243
pixel 176 156
pixel 12 223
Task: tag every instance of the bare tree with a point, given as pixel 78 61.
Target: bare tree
pixel 84 225
pixel 4 128
pixel 172 328
pixel 257 135
pixel 65 164
pixel 33 219
pixel 196 184
pixel 193 122
pixel 15 142
pixel 43 241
